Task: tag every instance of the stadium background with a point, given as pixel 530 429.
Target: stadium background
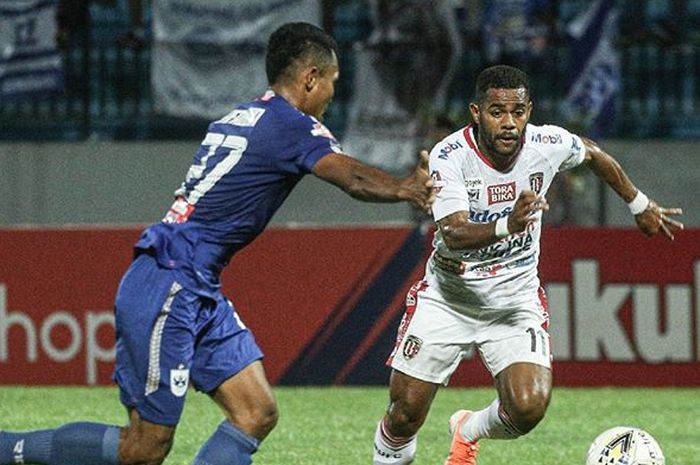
pixel 84 170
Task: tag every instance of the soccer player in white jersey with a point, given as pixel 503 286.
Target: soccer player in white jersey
pixel 481 287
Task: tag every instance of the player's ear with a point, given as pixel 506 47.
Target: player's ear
pixel 474 110
pixel 311 75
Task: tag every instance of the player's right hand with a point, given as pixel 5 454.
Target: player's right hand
pixel 419 185
pixel 656 219
pixel 525 211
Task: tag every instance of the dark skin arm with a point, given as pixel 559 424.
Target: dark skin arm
pixel 652 220
pixel 370 184
pixel 459 233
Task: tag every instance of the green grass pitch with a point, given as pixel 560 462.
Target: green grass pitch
pixel 335 425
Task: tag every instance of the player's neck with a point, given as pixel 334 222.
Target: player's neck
pixel 290 94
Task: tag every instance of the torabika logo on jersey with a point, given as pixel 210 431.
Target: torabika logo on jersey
pixel 411 346
pixel 501 193
pixel 537 181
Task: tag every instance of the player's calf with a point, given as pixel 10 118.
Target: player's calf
pixel 74 443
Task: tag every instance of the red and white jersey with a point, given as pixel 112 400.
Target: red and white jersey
pixel 503 274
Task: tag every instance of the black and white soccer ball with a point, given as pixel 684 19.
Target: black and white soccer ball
pixel 625 445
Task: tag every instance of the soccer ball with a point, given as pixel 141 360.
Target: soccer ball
pixel 625 445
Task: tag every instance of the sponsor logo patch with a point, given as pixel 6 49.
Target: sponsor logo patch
pixel 319 130
pixel 547 138
pixel 410 299
pixel 487 216
pixel 179 211
pixel 438 183
pixel 501 193
pixel 411 346
pixel 448 148
pixel 474 183
pixel 474 187
pixel 575 148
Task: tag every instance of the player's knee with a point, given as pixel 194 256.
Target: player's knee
pixel 267 418
pixel 258 420
pixel 527 410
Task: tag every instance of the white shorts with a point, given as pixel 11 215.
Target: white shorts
pixel 435 336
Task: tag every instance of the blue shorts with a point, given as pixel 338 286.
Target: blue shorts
pixel 168 336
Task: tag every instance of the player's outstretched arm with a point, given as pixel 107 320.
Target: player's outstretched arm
pixel 649 216
pixel 459 233
pixel 371 184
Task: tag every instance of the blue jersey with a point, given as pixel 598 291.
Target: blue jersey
pixel 248 163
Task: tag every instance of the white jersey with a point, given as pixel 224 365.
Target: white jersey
pixel 503 274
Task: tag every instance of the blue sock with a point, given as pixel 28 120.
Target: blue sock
pixel 71 444
pixel 227 446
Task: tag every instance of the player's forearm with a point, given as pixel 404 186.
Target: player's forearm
pixel 462 235
pixel 609 170
pixel 361 181
pixel 370 184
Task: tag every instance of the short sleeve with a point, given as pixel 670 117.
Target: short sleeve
pixel 303 143
pixel 450 189
pixel 563 149
pixel 575 154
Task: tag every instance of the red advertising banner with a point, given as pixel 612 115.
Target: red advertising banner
pixel 325 304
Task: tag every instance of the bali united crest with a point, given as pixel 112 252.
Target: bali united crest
pixel 537 181
pixel 411 346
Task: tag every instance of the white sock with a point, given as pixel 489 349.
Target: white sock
pixel 392 450
pixel 492 422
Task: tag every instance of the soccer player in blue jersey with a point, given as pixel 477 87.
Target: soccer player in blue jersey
pixel 174 327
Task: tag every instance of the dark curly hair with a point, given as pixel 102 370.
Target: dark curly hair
pixel 500 77
pixel 294 43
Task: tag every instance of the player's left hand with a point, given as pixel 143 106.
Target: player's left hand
pixel 420 185
pixel 656 218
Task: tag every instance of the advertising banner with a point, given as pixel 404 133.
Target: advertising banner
pixel 325 304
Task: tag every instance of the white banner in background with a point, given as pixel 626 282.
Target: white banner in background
pixel 30 62
pixel 210 54
pixel 401 76
pixel 379 131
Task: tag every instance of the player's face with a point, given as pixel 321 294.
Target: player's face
pixel 322 93
pixel 502 118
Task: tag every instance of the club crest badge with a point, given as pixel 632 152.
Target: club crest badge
pixel 537 182
pixel 411 346
pixel 179 380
